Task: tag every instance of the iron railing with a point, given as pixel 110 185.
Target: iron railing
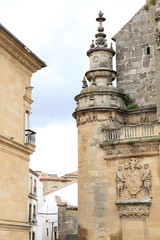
pixel 30 136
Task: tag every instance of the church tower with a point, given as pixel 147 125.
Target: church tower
pixel 99 103
pixel 118 134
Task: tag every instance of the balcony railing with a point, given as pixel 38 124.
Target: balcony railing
pixel 30 136
pixel 131 132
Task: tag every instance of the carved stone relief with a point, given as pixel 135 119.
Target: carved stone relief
pixel 133 180
pixel 112 118
pixel 133 188
pixel 134 209
pixel 157 38
pixel 90 117
pixel 132 150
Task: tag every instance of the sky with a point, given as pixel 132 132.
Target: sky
pixel 60 33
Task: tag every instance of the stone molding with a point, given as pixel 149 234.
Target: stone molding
pixel 106 73
pixel 133 209
pixel 14 225
pixel 23 55
pixel 98 91
pixel 92 114
pixel 26 148
pixel 27 95
pixel 139 148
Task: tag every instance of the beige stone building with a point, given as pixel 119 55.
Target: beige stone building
pixel 119 133
pixel 52 182
pixel 17 64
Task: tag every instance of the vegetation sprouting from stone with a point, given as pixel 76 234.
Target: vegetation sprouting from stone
pixel 146 7
pixel 153 2
pixel 127 99
pixel 130 142
pixel 133 106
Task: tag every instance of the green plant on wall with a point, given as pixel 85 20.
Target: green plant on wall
pixel 133 106
pixel 153 2
pixel 127 99
pixel 146 7
pixel 130 143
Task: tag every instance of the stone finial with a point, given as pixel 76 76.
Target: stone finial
pixel 100 41
pixel 84 85
pixel 100 19
pixel 100 14
pixel 100 36
pixel 92 44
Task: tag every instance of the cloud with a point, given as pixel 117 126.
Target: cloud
pixel 56 150
pixel 60 33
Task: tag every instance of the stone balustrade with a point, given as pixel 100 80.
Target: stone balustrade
pixel 128 132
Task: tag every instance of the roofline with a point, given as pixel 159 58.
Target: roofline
pixel 53 191
pixel 114 37
pixel 23 46
pixel 33 172
pixel 54 180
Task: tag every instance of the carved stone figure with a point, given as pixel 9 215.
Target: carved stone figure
pixel 146 177
pixel 157 37
pixel 120 181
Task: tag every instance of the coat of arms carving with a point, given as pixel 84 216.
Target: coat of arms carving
pixel 133 185
pixel 133 180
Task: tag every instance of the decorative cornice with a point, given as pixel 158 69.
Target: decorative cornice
pixel 27 148
pixel 19 51
pixel 98 92
pixel 14 225
pixel 140 148
pixel 27 99
pixel 78 114
pixel 100 72
pixel 134 209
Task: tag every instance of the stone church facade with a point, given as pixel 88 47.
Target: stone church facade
pixel 119 133
pixel 17 64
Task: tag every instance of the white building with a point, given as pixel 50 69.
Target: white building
pixel 35 206
pixel 67 194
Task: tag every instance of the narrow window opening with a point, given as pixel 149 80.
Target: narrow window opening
pixel 35 186
pixel 33 235
pixel 34 212
pixel 148 51
pixel 31 181
pixel 30 212
pixel 27 120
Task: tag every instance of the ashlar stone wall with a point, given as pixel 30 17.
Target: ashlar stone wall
pixel 135 57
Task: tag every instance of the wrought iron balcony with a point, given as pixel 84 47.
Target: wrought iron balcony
pixel 30 136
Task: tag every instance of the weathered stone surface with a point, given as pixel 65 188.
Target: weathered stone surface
pixel 67 222
pixel 17 65
pixel 110 209
pixel 135 55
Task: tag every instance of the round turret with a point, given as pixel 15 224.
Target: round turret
pixel 100 94
pixel 101 57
